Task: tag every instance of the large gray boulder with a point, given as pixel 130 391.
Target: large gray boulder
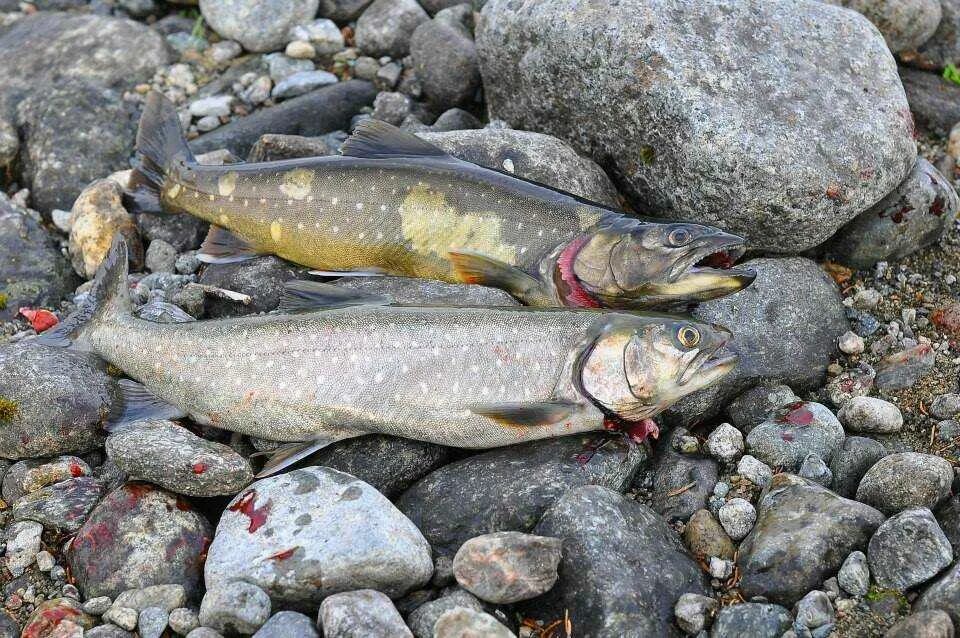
pixel 905 24
pixel 690 105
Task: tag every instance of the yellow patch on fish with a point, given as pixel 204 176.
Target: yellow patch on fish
pixel 224 220
pixel 296 184
pixel 173 191
pixel 227 183
pixel 433 227
pixel 275 230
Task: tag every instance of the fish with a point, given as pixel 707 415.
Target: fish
pixel 469 377
pixel 392 203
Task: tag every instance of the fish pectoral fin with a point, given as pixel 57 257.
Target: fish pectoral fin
pixel 306 296
pixel 527 414
pixel 135 403
pixel 224 247
pixel 286 455
pixel 473 268
pixel 366 272
pixel 375 139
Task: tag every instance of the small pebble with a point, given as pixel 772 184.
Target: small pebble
pixel 97 606
pixel 755 470
pixel 854 575
pixel 152 622
pixel 720 568
pixel 123 617
pixel 183 620
pixel 694 611
pixel 235 606
pixel 851 343
pixel 814 469
pixel 300 50
pixel 869 414
pixel 208 123
pixel 814 610
pixel 725 443
pixel 737 516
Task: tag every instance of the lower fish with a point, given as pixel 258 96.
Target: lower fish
pixel 395 204
pixel 462 377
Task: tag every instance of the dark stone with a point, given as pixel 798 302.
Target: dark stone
pixel 756 620
pixel 934 101
pixel 445 60
pixel 901 370
pixel 270 147
pixel 62 506
pixel 182 231
pixel 672 471
pixel 943 593
pixel 261 278
pixel 948 515
pixel 857 455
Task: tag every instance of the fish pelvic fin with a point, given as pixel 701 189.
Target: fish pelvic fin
pixel 307 296
pixel 527 414
pixel 222 246
pixel 160 143
pixel 108 298
pixel 473 268
pixel 375 139
pixel 286 455
pixel 136 403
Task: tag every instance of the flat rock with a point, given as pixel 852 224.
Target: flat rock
pixel 166 597
pixel 906 480
pixel 509 489
pixel 803 533
pixel 507 567
pixel 903 369
pixel 725 144
pixel 795 431
pixel 365 612
pixel 63 506
pixel 870 414
pixel 907 550
pixel 758 620
pixel 313 532
pixel 30 475
pixel 257 25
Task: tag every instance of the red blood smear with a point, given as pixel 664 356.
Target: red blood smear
pixel 199 468
pixel 787 436
pixel 284 555
pixel 40 319
pixel 137 491
pixel 800 416
pixel 937 207
pixel 75 469
pixel 257 516
pixel 48 621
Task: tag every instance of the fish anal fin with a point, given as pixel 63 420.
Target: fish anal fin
pixel 224 247
pixel 375 139
pixel 290 453
pixel 306 296
pixel 473 268
pixel 527 414
pixel 135 403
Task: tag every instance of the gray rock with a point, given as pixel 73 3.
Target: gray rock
pixel 679 145
pixel 814 469
pixel 905 24
pixel 533 156
pixel 752 468
pixel 916 214
pixel 63 506
pixel 152 622
pixel 857 455
pixel 906 480
pixel 342 10
pixel 424 617
pixel 854 574
pixel 737 517
pixel 165 597
pixel 184 620
pixel 705 537
pixel 794 431
pixel 466 498
pixel 803 534
pixel 814 610
pixel 943 48
pixel 445 60
pixel 694 612
pixel 391 107
pixel 460 622
pixel 171 456
pixel 948 515
pixel 427 292
pixel 283 530
pixel 908 549
pixel 215 105
pixel 933 100
pixel 324 35
pixel 757 620
pixel 455 119
pixel 602 533
pixel 22 544
pixel 282 66
pixel 752 408
pixel 945 406
pixel 673 471
pixel 261 278
pixel 869 414
pixel 851 383
pixel 944 594
pixel 725 443
pixel 161 256
pixel 923 624
pixel 386 26
pixel 288 623
pixel 97 606
pixel 507 567
pixel 123 617
pixel 903 369
pixel 276 147
pixel 302 82
pixel 30 475
pixel 204 632
pixel 234 607
pixel 107 631
pixel 257 25
pixel 361 613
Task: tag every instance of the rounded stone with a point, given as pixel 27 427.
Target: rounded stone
pixel 854 574
pixel 507 567
pixel 361 613
pixel 462 622
pixel 905 24
pixel 794 431
pixel 906 480
pixel 869 414
pixel 725 443
pixel 235 607
pixel 257 24
pixel 908 549
pixel 737 517
pixel 386 26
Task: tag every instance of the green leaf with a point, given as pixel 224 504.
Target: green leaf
pixel 951 74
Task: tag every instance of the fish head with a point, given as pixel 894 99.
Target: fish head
pixel 638 366
pixel 633 264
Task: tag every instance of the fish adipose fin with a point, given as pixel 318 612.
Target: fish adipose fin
pixel 108 297
pixel 375 139
pixel 224 247
pixel 136 403
pixel 473 268
pixel 286 455
pixel 527 414
pixel 160 143
pixel 307 296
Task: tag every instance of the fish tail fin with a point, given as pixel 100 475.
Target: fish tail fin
pixel 160 142
pixel 108 298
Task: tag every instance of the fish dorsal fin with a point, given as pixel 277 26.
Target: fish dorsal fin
pixel 224 247
pixel 290 453
pixel 135 403
pixel 527 414
pixel 306 296
pixel 375 139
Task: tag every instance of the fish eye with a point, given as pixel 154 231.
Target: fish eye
pixel 679 237
pixel 688 336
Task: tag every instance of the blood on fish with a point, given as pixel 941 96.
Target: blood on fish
pixel 257 515
pixel 284 555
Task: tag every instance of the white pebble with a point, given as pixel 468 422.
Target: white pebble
pixel 725 443
pixel 737 517
pixel 755 470
pixel 851 343
pixel 869 414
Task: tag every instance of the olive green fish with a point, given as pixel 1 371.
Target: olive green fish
pixel 464 377
pixel 395 204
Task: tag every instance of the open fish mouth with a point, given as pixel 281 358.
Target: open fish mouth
pixel 709 269
pixel 710 365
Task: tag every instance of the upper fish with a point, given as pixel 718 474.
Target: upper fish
pixel 392 203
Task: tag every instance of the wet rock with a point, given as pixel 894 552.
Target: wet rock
pixel 361 613
pixel 50 614
pixel 755 470
pixel 313 532
pixel 903 369
pixel 234 607
pixel 532 156
pixel 257 25
pixel 62 506
pixel 602 532
pixel 507 567
pixel 794 431
pixel 942 48
pixel 869 414
pixel 261 278
pixel 803 534
pixel 814 469
pixel 466 498
pixel 694 612
pixel 445 61
pixel 725 443
pixel 923 624
pixel 22 544
pixel 857 455
pixel 423 618
pixel 166 597
pixel 908 549
pixel 97 217
pixel 914 215
pixel 138 536
pixel 427 292
pixel 386 26
pixel 462 622
pixel 33 273
pixel 672 472
pixel 943 593
pixel 540 73
pixel 704 536
pixel 757 620
pixel 906 480
pixel 905 25
pixel 737 517
pixel 752 408
pixel 854 574
pixel 171 456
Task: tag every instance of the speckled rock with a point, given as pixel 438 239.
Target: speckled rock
pixel 234 607
pixel 166 597
pixel 737 517
pixel 869 414
pixel 851 383
pixel 288 623
pixel 171 456
pixel 948 515
pixel 679 146
pixel 96 218
pixel 903 369
pixel 758 620
pixel 114 551
pixel 423 618
pixel 386 26
pixel 49 614
pixel 906 480
pixel 905 24
pixel 361 613
pixel 313 532
pixel 507 567
pixel 933 623
pixel 786 555
pixel 465 499
pixel 944 594
pixel 257 25
pixel 152 622
pixel 908 549
pixel 62 506
pixel 22 539
pixel 857 455
pixel 602 532
pixel 752 408
pixel 56 401
pixel 466 623
pixel 794 431
pixel 30 475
